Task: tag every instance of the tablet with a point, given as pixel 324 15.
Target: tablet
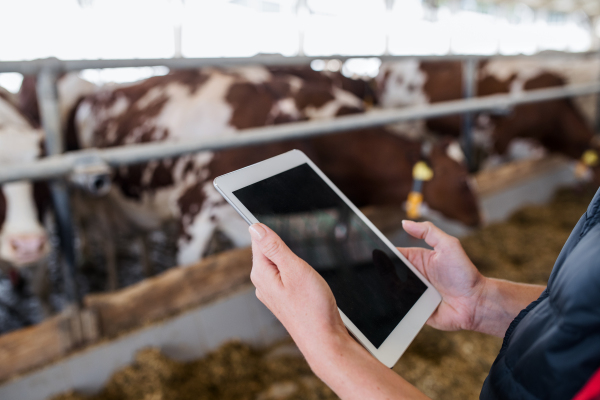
pixel 383 300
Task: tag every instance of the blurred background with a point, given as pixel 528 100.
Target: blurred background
pixel 105 29
pixel 123 274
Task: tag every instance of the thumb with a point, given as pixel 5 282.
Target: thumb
pixel 273 248
pixel 432 235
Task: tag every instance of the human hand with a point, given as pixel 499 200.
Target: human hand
pixel 451 272
pixel 294 292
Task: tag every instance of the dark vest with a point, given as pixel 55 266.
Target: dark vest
pixel 552 347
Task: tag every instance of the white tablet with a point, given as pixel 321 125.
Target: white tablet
pixel 383 300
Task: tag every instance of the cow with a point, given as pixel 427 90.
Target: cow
pixel 559 125
pixel 214 102
pixel 24 240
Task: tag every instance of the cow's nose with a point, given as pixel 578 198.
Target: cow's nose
pixel 28 248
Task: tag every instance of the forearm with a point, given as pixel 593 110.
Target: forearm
pixel 499 304
pixel 353 373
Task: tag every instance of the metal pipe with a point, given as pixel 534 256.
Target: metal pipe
pixel 55 166
pixel 469 78
pixel 50 113
pixel 56 65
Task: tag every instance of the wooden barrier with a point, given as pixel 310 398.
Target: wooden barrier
pixel 498 179
pixel 171 292
pixel 47 341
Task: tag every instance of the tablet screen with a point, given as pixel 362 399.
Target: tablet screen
pixel 371 285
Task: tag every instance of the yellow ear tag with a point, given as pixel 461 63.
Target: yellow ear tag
pixel 590 158
pixel 422 172
pixel 413 205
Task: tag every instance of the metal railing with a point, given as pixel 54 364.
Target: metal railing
pixel 33 67
pixel 57 165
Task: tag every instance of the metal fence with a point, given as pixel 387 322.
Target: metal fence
pixel 57 165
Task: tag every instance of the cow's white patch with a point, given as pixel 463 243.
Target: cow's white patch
pixel 205 113
pixel 455 152
pixel 401 84
pixel 10 116
pixel 295 84
pixel 287 107
pixel 150 97
pixel 71 88
pixel 330 109
pixel 87 119
pixel 525 149
pixel 200 229
pixel 254 74
pixel 18 144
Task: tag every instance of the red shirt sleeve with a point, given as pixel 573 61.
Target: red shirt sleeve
pixel 591 390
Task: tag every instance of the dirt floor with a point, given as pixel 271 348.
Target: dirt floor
pixel 444 365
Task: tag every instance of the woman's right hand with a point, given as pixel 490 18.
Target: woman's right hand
pixel 451 272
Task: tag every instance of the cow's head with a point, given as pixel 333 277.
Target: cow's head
pixel 374 167
pixel 401 84
pixel 23 240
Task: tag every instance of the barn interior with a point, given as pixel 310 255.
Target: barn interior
pixel 123 273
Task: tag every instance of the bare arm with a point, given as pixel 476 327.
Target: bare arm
pixel 302 301
pixel 500 303
pixel 353 373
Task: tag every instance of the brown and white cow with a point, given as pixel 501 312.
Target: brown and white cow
pixel 558 125
pixel 205 103
pixel 23 238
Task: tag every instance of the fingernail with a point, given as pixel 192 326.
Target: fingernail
pixel 257 231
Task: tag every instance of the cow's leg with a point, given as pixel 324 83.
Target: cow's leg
pixel 195 237
pixel 41 287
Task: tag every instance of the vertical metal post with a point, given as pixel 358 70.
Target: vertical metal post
pixel 389 6
pixel 50 115
pixel 469 90
pixel 177 10
pixel 302 12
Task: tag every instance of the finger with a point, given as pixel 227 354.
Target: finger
pixel 264 272
pixel 274 249
pixel 416 256
pixel 432 235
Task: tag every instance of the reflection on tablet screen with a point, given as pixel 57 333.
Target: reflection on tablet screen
pixel 371 285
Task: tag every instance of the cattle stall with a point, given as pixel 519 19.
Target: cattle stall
pixel 84 322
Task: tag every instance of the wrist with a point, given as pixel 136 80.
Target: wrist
pixel 323 352
pixel 480 297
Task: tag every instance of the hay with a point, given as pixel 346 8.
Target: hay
pixel 444 365
pixel 234 371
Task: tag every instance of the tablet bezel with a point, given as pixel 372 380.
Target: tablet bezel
pixel 403 334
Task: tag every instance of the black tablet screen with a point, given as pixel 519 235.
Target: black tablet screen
pixel 371 285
